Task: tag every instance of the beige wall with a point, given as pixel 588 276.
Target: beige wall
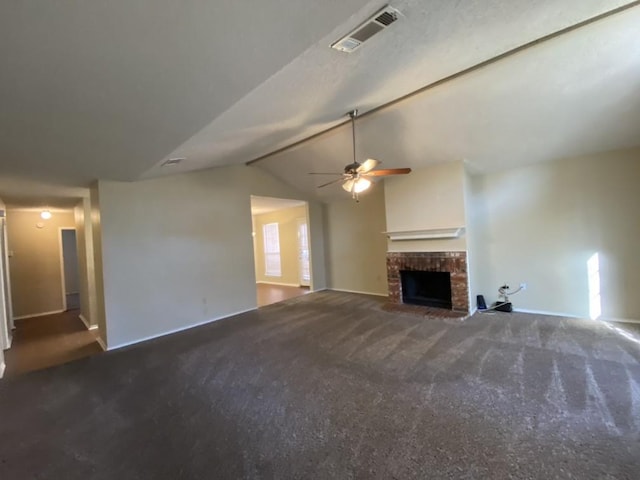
pixel 4 322
pixel 97 279
pixel 177 251
pixel 36 280
pixel 473 222
pixel 83 286
pixel 356 247
pixel 87 286
pixel 428 198
pixel 287 220
pixel 541 224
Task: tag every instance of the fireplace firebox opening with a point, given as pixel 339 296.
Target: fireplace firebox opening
pixel 431 289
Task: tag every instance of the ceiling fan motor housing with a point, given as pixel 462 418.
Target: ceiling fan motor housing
pixel 352 168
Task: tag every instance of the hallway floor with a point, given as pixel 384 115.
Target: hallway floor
pixel 42 342
pixel 268 294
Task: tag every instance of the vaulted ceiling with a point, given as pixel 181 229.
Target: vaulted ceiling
pixel 110 90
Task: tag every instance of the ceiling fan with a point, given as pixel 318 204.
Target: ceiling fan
pixel 357 176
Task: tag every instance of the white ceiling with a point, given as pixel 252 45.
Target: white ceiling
pixel 111 89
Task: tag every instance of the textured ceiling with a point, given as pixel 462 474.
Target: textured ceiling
pixel 105 89
pixel 576 94
pixel 433 40
pixel 111 89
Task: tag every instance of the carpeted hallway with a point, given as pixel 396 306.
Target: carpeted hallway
pixel 328 385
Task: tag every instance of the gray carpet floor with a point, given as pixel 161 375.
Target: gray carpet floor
pixel 329 385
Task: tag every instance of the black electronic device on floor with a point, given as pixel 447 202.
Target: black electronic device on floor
pixel 503 307
pixel 482 305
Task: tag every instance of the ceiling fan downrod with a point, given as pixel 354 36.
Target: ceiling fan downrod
pixel 357 177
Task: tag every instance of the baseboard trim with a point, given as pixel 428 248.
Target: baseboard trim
pixel 177 330
pixel 569 315
pixel 87 324
pixel 358 292
pixel 3 367
pixel 297 285
pixel 619 320
pixel 545 312
pixel 33 315
pixel 101 343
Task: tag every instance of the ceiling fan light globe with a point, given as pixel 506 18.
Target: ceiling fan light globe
pixel 348 185
pixel 361 185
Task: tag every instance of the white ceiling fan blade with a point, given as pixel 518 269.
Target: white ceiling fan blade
pixel 367 165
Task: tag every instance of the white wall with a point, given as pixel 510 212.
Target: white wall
pixel 355 245
pixel 541 224
pixel 428 198
pixel 177 251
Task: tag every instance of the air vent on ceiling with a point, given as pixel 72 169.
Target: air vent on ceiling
pixel 354 39
pixel 172 161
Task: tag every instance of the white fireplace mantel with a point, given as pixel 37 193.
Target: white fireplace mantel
pixel 430 234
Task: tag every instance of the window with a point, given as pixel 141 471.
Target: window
pixel 271 250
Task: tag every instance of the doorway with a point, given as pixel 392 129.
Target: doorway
pixel 282 251
pixel 45 286
pixel 69 269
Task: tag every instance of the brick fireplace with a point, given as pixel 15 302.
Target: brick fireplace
pixel 454 263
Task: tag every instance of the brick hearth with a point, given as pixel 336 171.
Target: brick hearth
pixel 453 262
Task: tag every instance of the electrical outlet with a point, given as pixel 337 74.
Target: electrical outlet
pixel 523 286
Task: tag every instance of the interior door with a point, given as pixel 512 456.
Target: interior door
pixel 303 253
pixel 70 276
